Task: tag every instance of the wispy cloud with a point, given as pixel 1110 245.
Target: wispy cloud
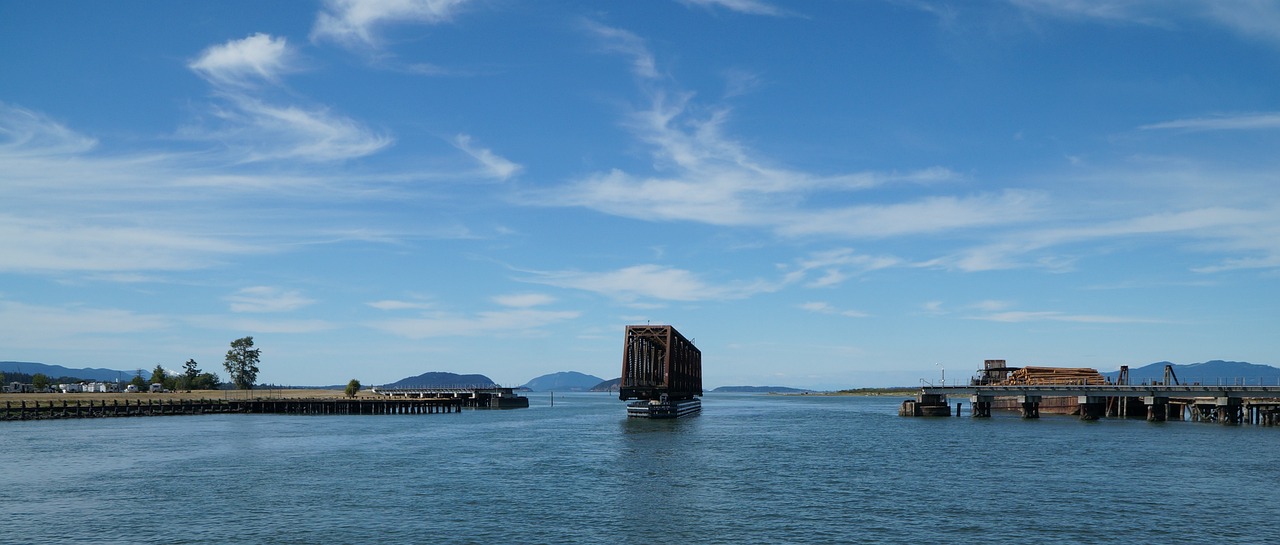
pixel 395 304
pixel 356 23
pixel 1256 121
pixel 245 62
pixel 513 322
pixel 822 307
pixel 1250 19
pixel 493 165
pixel 650 283
pixel 259 130
pixel 524 300
pixel 704 175
pixel 833 267
pixel 627 43
pixel 267 299
pixel 23 322
pixel 24 133
pixel 1015 316
pixel 750 7
pixel 1234 229
pixel 994 310
pixel 45 244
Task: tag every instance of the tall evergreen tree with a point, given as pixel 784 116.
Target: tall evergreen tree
pixel 158 375
pixel 191 371
pixel 242 363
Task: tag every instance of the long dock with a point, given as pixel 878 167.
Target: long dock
pixel 494 397
pixel 1258 405
pixel 39 410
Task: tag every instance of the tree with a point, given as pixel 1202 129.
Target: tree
pixel 40 381
pixel 139 382
pixel 242 363
pixel 353 388
pixel 206 381
pixel 191 370
pixel 158 375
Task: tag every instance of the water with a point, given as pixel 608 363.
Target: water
pixel 750 469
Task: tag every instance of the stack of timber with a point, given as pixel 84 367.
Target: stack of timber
pixel 1055 375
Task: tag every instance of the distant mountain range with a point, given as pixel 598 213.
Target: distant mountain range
pixel 1209 372
pixel 566 381
pixel 58 371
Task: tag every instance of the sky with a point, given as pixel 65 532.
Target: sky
pixel 822 194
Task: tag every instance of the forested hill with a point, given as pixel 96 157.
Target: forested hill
pixel 28 368
pixel 436 379
pixel 567 381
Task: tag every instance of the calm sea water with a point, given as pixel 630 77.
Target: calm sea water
pixel 750 469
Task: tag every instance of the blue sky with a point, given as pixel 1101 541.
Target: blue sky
pixel 822 194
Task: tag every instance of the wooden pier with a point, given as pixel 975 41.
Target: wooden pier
pixel 40 410
pixel 489 397
pixel 1232 405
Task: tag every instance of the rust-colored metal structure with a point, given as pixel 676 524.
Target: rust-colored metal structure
pixel 658 360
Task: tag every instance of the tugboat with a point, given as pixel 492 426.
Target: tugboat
pixel 662 371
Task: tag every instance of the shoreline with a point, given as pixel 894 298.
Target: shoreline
pixel 289 393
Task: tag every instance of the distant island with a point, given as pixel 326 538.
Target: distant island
pixel 761 390
pixel 565 381
pixel 437 379
pixel 607 386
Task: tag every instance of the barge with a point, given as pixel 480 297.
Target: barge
pixel 664 408
pixel 661 371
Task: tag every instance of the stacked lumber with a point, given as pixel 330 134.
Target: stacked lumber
pixel 1054 375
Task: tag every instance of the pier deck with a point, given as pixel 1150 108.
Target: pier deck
pixel 40 410
pixel 1233 404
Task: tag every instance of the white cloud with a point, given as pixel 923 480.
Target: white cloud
pixel 356 22
pixel 519 321
pixel 1256 121
pixel 258 326
pixel 1250 19
pixel 616 40
pixel 493 165
pixel 1220 229
pixel 24 133
pixel 928 215
pixel 750 7
pixel 257 130
pixel 650 283
pixel 240 62
pixel 524 300
pixel 821 307
pixel 267 299
pixel 836 266
pixel 703 175
pixel 34 245
pixel 42 327
pixel 391 304
pixel 1258 19
pixel 1014 316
